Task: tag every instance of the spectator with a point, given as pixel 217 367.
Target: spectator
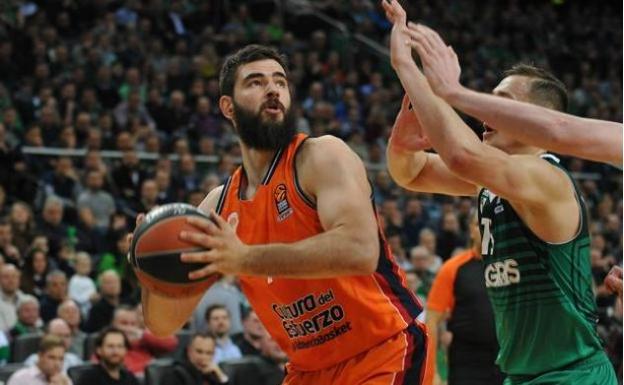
pixel 7 248
pixel 55 293
pixel 51 225
pixel 249 340
pixel 117 260
pixel 28 319
pixel 272 365
pixel 399 254
pixel 413 221
pixel 423 262
pixel 149 196
pixel 203 122
pixel 35 269
pixel 166 192
pixel 130 109
pixel 427 238
pixel 99 201
pixel 144 346
pixel 59 329
pixel 177 115
pixel 219 324
pixel 47 370
pixel 223 292
pixel 63 182
pixel 102 311
pixel 198 366
pixel 9 295
pixel 81 286
pixel 22 226
pixel 69 312
pixel 450 237
pixel 187 178
pixel 128 176
pixel 111 348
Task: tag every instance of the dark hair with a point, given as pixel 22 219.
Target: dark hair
pixel 212 308
pixel 201 335
pixel 546 89
pixel 99 340
pixel 49 342
pixel 248 54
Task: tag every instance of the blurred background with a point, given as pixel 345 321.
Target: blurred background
pixel 110 107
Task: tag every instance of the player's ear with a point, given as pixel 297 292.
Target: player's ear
pixel 226 105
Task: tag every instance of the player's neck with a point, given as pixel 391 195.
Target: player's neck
pixel 256 164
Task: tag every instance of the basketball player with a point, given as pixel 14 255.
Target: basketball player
pixel 535 239
pixel 592 139
pixel 297 225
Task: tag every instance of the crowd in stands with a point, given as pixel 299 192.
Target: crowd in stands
pixel 141 77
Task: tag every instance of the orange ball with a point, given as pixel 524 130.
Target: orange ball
pixel 156 248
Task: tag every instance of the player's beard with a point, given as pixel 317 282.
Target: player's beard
pixel 264 134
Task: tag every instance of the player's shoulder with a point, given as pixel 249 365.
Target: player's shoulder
pixel 212 199
pixel 325 151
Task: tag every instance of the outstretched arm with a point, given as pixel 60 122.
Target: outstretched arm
pixel 414 169
pixel 592 139
pixel 541 193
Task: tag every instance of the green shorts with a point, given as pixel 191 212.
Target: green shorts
pixel 595 370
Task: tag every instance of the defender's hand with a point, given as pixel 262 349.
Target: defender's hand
pixel 400 50
pixel 407 134
pixel 440 63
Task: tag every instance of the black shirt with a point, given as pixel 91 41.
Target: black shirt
pixel 100 315
pixel 245 347
pixel 98 376
pixel 183 373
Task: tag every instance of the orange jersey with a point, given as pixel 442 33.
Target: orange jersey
pixel 317 322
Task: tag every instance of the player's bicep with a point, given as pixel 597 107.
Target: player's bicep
pixel 336 178
pixel 435 177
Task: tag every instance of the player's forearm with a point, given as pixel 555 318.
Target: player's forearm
pixel 404 166
pixel 158 324
pixel 328 254
pixel 542 127
pixel 446 131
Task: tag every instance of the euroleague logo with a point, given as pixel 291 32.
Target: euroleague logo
pixel 281 202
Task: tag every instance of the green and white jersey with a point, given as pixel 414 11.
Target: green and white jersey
pixel 541 292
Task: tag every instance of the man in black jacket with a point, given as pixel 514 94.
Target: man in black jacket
pixel 198 368
pixel 111 348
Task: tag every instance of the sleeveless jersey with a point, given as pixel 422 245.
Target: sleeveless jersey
pixel 541 292
pixel 317 322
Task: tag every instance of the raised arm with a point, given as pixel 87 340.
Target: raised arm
pixel 537 189
pixel 335 178
pixel 592 139
pixel 414 169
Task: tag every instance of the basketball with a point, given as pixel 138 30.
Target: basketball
pixel 156 248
